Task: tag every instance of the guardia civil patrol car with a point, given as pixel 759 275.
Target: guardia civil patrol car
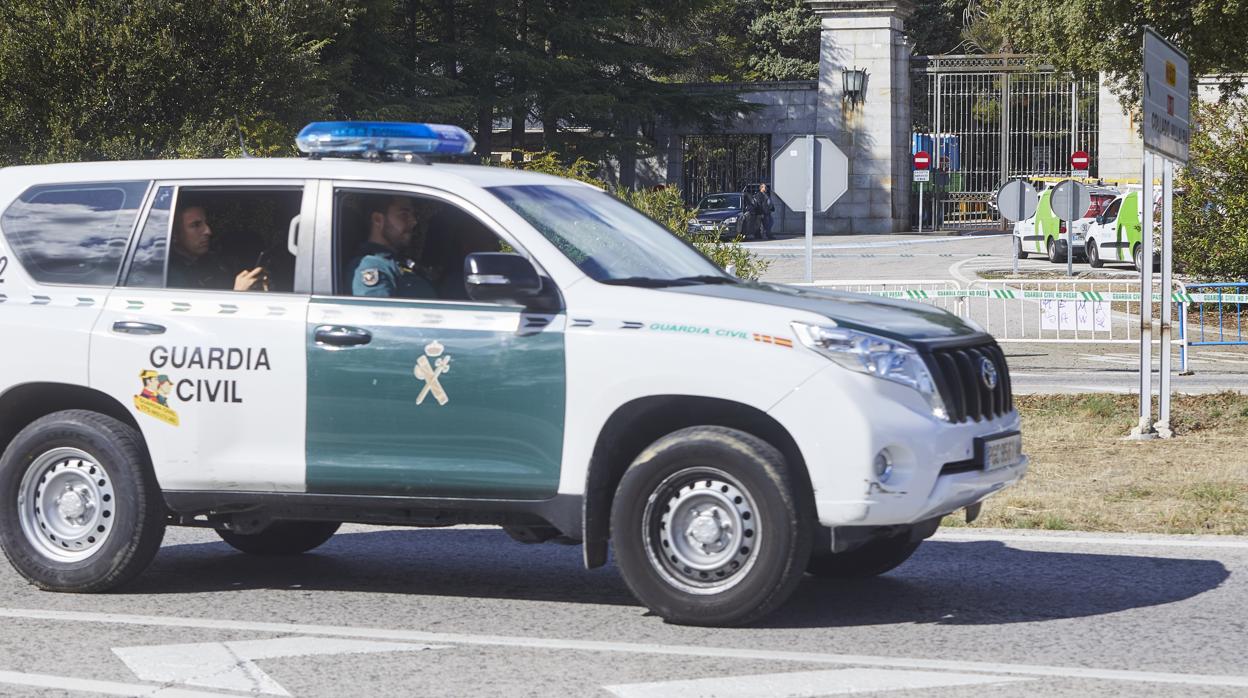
pixel 183 347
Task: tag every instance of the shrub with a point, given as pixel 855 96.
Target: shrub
pixel 1211 215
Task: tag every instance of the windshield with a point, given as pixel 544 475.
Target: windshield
pixel 605 238
pixel 716 202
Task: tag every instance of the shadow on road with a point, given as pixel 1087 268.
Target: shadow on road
pixel 957 583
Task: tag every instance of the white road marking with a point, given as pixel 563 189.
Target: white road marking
pixel 631 648
pixel 108 688
pixel 803 684
pixel 231 665
pixel 1234 542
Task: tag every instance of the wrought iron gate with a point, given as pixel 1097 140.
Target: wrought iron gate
pixel 989 119
pixel 724 162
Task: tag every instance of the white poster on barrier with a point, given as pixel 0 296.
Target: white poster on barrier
pixel 1082 316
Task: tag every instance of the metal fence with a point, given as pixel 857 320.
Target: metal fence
pixel 989 119
pixel 1217 318
pixel 724 163
pixel 1027 310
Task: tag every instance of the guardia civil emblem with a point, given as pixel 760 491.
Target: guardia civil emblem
pixel 370 277
pixel 429 372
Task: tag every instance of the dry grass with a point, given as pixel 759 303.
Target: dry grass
pixel 1084 476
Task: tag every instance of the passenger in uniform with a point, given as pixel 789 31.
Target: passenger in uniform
pixel 193 265
pixel 379 268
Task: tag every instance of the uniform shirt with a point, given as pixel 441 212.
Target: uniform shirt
pixel 377 272
pixel 204 272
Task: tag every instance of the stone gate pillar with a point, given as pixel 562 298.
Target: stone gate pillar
pixel 873 133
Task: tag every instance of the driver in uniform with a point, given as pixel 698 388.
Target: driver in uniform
pixel 379 268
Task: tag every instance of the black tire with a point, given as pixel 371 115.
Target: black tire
pixel 1018 248
pixel 108 521
pixel 870 560
pixel 282 537
pixel 1050 247
pixel 1137 257
pixel 730 487
pixel 1094 254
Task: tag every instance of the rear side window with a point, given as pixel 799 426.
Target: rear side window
pixel 73 233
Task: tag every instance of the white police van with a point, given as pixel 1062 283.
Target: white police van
pixel 577 373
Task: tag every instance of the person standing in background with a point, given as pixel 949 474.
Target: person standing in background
pixel 764 208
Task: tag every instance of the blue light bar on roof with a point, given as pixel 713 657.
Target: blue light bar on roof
pixel 363 137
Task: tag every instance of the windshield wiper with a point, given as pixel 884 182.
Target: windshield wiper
pixel 708 279
pixel 646 282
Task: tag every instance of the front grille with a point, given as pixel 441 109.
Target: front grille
pixel 959 377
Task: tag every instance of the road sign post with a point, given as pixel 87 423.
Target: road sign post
pixel 1079 163
pixel 810 173
pixel 1070 200
pixel 1166 101
pixel 922 161
pixel 1017 201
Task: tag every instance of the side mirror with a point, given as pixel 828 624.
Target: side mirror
pixel 499 277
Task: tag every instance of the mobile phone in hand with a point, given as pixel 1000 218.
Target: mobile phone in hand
pixel 263 259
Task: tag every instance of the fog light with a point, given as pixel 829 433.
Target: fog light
pixel 883 465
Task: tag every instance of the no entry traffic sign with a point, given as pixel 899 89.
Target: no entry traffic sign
pixel 1079 163
pixel 922 160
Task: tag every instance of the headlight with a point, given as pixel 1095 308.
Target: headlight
pixel 875 356
pixel 730 220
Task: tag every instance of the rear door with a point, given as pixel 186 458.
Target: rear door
pixel 428 397
pixel 214 376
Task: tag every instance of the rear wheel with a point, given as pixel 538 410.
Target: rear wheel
pixel 1094 255
pixel 1137 257
pixel 1050 247
pixel 283 537
pixel 1018 248
pixel 707 528
pixel 872 559
pixel 80 510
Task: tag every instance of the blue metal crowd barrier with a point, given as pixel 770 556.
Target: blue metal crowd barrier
pixel 1202 334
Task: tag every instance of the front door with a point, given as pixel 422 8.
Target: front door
pixel 430 396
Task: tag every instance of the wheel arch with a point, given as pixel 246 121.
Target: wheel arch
pixel 23 404
pixel 639 423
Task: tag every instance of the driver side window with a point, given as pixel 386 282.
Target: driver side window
pixel 393 245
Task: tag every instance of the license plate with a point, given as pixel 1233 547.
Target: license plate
pixel 999 451
pixel 710 226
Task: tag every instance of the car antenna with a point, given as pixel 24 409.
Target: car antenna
pixel 241 143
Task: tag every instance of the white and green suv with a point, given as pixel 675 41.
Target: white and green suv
pixel 205 343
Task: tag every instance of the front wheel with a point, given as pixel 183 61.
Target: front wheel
pixel 869 560
pixel 282 537
pixel 1094 255
pixel 80 510
pixel 708 529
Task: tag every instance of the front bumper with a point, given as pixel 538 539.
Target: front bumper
pixel 841 420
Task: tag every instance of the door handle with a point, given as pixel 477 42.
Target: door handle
pixel 338 336
pixel 129 327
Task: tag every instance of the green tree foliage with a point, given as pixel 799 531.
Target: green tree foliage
pixel 1085 36
pixel 115 79
pixel 936 27
pixel 152 78
pixel 1210 228
pixel 783 42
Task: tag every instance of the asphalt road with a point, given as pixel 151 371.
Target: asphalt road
pixel 468 612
